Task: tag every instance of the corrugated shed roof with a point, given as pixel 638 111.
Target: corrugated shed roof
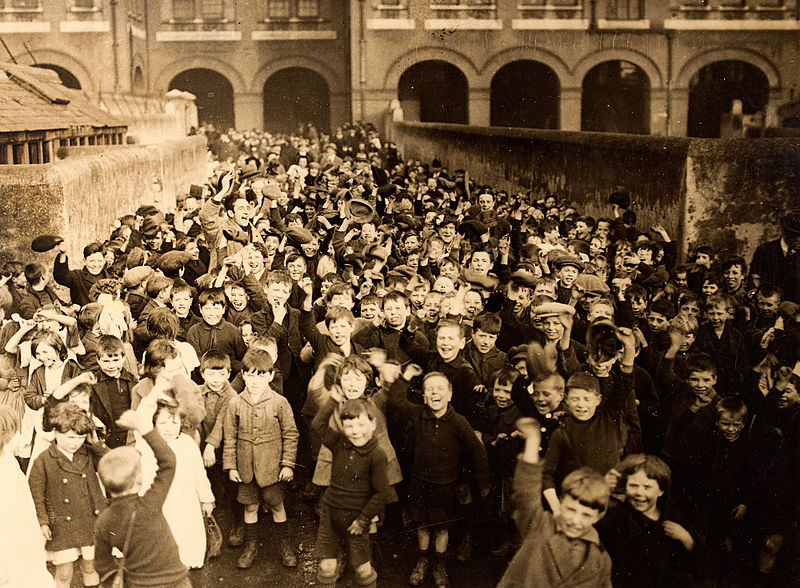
pixel 33 99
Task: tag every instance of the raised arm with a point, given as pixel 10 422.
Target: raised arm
pixel 529 514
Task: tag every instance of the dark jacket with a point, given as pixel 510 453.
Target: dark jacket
pixel 358 476
pixel 67 496
pixel 112 397
pixel 144 566
pixel 439 442
pixel 79 281
pixel 642 553
pixel 485 365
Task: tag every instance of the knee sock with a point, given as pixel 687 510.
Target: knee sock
pixel 250 532
pixel 280 530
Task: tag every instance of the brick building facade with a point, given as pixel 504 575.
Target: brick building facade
pixel 642 66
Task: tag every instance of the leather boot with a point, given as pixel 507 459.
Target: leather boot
pixel 420 570
pixel 248 555
pixel 286 550
pixel 440 578
pixel 464 552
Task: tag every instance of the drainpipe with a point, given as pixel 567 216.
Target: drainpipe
pixel 592 16
pixel 114 43
pixel 668 96
pixel 362 60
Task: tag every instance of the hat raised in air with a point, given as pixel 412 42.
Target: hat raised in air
pixel 44 243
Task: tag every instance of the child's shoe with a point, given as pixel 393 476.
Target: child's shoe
pixel 440 578
pixel 236 538
pixel 417 576
pixel 326 580
pixel 286 552
pixel 464 552
pixel 368 580
pixel 248 555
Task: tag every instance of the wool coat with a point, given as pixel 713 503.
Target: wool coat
pixel 67 496
pixel 260 437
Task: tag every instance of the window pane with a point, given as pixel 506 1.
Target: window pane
pixel 625 9
pixel 278 8
pixel 212 9
pixel 25 4
pixel 183 9
pixel 83 3
pixel 307 8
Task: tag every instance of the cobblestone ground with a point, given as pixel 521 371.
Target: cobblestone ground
pixel 394 558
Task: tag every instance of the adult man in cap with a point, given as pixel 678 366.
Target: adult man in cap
pixel 330 158
pixel 775 263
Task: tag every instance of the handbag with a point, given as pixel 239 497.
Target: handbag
pixel 116 578
pixel 213 537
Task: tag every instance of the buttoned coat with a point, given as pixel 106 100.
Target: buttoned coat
pixel 260 437
pixel 67 496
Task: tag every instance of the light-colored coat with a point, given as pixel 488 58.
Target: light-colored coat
pixel 189 488
pixel 543 560
pixel 260 437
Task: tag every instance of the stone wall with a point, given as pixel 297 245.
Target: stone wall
pixel 726 193
pixel 82 194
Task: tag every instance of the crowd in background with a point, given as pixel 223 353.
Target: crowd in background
pixel 392 326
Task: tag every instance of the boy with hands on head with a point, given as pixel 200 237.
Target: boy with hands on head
pixel 591 435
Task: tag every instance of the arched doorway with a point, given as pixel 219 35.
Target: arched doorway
pixel 713 89
pixel 67 77
pixel 434 91
pixel 213 92
pixel 525 94
pixel 616 99
pixel 295 96
pixel 138 81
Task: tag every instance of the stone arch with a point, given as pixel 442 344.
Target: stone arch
pixel 61 59
pixel 200 62
pixel 698 62
pixel 405 61
pixel 336 83
pixel 503 58
pixel 138 63
pixel 646 64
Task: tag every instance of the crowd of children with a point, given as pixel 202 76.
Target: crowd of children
pixel 398 344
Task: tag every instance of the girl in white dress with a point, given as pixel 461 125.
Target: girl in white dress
pixel 190 497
